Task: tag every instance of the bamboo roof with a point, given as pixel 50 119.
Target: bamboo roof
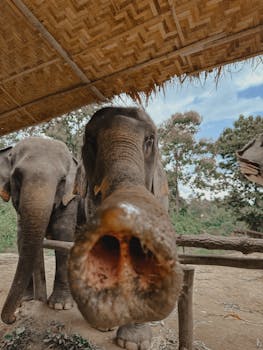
pixel 58 55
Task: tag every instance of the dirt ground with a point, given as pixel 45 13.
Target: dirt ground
pixel 228 310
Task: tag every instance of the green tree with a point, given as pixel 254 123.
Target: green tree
pixel 243 197
pixel 188 161
pixel 202 216
pixel 70 128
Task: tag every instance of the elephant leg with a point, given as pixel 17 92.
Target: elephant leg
pixel 29 292
pixel 62 226
pixel 134 336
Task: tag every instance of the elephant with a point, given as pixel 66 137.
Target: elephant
pixel 123 268
pixel 250 158
pixel 39 175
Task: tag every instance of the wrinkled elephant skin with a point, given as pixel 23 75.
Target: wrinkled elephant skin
pixel 39 175
pixel 123 268
pixel 250 158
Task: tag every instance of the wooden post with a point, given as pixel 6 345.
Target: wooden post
pixel 185 310
pixel 39 278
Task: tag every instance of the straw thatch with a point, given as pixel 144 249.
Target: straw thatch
pixel 58 55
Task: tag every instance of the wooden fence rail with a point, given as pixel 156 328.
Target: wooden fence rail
pixel 249 233
pixel 193 259
pixel 241 244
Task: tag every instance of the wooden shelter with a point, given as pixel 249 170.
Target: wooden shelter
pixel 58 55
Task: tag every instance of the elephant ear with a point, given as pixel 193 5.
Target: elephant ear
pixel 69 192
pixel 81 183
pixel 5 171
pixel 160 185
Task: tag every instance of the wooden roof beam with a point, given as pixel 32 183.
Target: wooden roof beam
pixel 19 106
pixel 33 20
pixel 30 70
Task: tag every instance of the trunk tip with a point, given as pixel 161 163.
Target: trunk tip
pixel 8 319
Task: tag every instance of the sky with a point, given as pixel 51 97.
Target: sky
pixel 238 91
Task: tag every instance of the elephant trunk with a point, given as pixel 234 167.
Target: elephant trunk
pixel 34 212
pixel 123 267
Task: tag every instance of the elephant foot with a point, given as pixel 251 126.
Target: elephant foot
pixel 60 300
pixel 134 337
pixel 27 297
pixel 29 292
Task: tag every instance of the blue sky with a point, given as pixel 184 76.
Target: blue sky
pixel 239 91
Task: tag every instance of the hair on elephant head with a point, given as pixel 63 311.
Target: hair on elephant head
pixel 123 267
pixel 38 174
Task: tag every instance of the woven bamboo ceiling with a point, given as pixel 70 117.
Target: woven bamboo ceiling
pixel 58 55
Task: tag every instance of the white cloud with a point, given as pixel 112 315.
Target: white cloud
pixel 249 76
pixel 211 101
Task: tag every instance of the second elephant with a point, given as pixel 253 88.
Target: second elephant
pixel 38 174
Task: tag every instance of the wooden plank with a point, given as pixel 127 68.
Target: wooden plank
pixel 240 262
pixel 39 279
pixel 185 311
pixel 60 246
pixel 249 233
pixel 244 245
pixel 219 260
pixel 30 70
pixel 16 102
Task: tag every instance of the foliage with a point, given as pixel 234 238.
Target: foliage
pixel 70 128
pixel 187 160
pixel 17 340
pixel 202 216
pixel 56 338
pixel 7 227
pixel 243 197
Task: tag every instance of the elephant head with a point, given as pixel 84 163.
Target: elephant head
pixel 123 266
pixel 38 174
pixel 250 158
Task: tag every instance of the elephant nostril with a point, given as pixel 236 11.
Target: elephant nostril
pixel 115 257
pixel 103 261
pixel 144 262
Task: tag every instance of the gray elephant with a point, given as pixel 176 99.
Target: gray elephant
pixel 39 175
pixel 250 158
pixel 123 268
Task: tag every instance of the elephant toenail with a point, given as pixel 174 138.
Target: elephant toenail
pixel 68 306
pixel 131 346
pixel 120 342
pixel 58 306
pixel 145 345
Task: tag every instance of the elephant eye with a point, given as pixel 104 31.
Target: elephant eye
pixel 148 144
pixel 11 160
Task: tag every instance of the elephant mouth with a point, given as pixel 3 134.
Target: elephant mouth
pixel 121 272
